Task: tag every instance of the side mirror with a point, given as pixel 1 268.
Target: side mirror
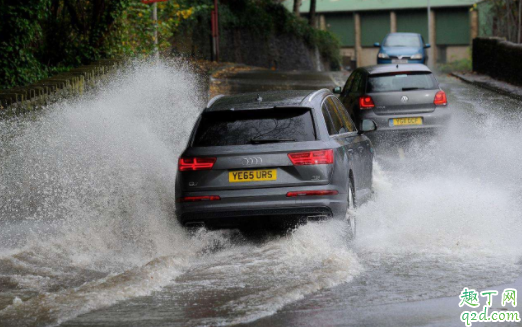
pixel 427 46
pixel 377 45
pixel 337 90
pixel 367 125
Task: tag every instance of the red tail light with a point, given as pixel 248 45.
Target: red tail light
pixel 186 164
pixel 440 99
pixel 307 193
pixel 366 102
pixel 199 198
pixel 321 157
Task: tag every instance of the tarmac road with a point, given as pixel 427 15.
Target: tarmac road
pixel 446 215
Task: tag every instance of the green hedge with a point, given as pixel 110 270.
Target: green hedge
pixel 44 37
pixel 40 38
pixel 498 58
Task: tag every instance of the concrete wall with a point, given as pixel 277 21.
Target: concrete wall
pixel 284 51
pixel 455 53
pixel 369 56
pixel 25 99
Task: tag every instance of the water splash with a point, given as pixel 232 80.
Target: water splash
pixel 87 189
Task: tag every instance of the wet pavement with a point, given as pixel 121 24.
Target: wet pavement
pixel 446 215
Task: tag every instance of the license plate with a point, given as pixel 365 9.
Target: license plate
pixel 252 175
pixel 399 61
pixel 406 121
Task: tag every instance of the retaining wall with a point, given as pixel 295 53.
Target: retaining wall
pixel 28 98
pixel 282 51
pixel 498 58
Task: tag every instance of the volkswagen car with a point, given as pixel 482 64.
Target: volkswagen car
pixel 272 158
pixel 402 48
pixel 396 97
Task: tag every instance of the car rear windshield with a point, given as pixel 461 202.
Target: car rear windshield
pixel 403 81
pixel 221 128
pixel 410 41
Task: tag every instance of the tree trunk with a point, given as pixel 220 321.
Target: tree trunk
pixel 311 19
pixel 297 6
pixel 519 21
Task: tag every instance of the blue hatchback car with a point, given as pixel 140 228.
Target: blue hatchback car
pixel 402 48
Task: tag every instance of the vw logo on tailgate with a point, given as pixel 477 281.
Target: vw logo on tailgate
pixel 404 99
pixel 251 161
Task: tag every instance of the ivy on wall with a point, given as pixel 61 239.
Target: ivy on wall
pixel 42 37
pixel 39 38
pixel 19 34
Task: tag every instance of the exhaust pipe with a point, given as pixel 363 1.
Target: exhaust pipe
pixel 194 224
pixel 317 217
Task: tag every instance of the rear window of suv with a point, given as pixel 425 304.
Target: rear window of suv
pixel 220 128
pixel 402 81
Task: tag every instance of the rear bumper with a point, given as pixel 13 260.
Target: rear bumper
pixel 430 121
pixel 271 216
pixel 238 208
pixel 410 61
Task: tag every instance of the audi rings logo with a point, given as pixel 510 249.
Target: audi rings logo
pixel 251 161
pixel 404 99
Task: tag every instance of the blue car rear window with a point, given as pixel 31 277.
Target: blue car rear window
pixel 410 41
pixel 401 81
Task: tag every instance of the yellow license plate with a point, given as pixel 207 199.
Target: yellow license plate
pixel 252 175
pixel 406 121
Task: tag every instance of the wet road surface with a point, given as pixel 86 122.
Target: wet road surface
pixel 88 238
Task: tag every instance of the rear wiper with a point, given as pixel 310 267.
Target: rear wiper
pixel 413 88
pixel 260 141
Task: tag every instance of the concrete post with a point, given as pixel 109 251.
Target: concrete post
pixel 433 38
pixel 393 22
pixel 358 47
pixel 322 23
pixel 473 25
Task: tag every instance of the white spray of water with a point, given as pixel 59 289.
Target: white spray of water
pixel 86 207
pixel 88 192
pixel 89 217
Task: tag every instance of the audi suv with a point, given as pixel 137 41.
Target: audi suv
pixel 272 158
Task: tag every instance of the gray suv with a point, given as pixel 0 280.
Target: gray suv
pixel 273 158
pixel 396 97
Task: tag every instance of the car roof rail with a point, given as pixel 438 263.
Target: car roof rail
pixel 311 96
pixel 214 99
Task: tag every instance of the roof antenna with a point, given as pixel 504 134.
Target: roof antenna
pixel 259 98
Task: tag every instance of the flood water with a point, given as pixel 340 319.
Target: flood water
pixel 88 235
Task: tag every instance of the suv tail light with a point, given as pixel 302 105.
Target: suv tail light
pixel 321 157
pixel 306 193
pixel 440 99
pixel 186 164
pixel 366 102
pixel 199 198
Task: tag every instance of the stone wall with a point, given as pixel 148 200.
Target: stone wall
pixel 20 100
pixel 283 51
pixel 498 58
